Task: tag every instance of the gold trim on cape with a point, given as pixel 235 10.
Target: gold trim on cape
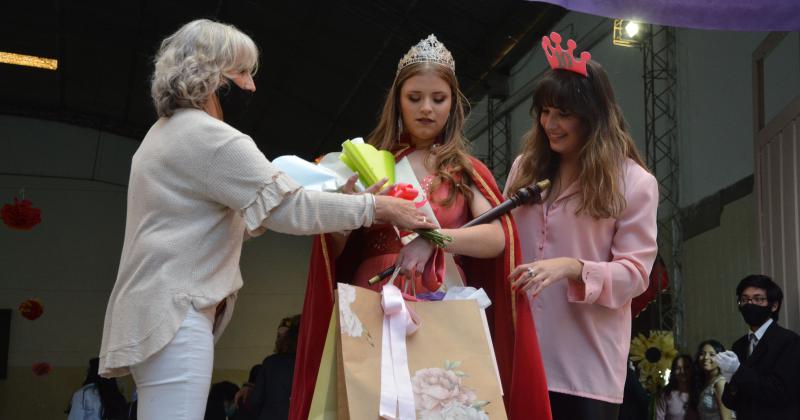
pixel 507 220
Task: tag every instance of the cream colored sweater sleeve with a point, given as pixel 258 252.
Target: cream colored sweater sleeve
pixel 242 178
pixel 311 212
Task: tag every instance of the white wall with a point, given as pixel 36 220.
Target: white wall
pixel 715 110
pixel 782 75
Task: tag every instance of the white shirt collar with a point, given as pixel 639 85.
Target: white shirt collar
pixel 762 329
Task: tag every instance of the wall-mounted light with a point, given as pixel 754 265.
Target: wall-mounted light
pixel 627 33
pixel 28 60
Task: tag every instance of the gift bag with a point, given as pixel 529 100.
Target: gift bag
pixel 324 404
pixel 446 362
pixel 329 401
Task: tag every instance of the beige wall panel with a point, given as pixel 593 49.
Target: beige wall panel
pixel 713 264
pixel 778 155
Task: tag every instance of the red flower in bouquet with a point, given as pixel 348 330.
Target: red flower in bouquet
pixel 31 309
pixel 41 368
pixel 21 215
pixel 406 192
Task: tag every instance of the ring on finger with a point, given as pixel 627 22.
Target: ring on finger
pixel 531 272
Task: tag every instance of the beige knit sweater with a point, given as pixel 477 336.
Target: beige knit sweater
pixel 197 188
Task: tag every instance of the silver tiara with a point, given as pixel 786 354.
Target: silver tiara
pixel 428 50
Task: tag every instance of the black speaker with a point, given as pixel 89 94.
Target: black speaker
pixel 5 336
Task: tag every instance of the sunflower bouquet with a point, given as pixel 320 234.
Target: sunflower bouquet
pixel 653 355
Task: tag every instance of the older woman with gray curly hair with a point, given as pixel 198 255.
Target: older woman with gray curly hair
pixel 197 187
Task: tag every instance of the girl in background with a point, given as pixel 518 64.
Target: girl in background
pixel 678 400
pixel 99 398
pixel 710 383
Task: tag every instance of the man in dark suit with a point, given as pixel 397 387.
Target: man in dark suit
pixel 763 369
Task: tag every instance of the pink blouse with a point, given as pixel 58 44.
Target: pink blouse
pixel 584 327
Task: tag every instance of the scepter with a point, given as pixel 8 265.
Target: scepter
pixel 526 195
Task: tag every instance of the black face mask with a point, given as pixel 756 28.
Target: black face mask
pixel 234 102
pixel 755 315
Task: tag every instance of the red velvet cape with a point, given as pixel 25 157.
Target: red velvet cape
pixel 510 320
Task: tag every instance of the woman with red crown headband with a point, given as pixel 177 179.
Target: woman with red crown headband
pixel 588 247
pixel 422 120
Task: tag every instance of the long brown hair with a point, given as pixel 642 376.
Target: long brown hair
pixel 451 154
pixel 608 142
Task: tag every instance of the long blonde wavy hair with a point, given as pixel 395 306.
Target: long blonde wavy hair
pixel 452 152
pixel 190 63
pixel 602 156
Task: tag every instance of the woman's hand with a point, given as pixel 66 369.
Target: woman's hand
pixel 413 257
pixel 401 213
pixel 350 186
pixel 535 276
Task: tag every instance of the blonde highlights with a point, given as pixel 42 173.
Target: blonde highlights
pixel 190 63
pixel 451 155
pixel 608 142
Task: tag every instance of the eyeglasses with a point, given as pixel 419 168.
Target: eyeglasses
pixel 758 300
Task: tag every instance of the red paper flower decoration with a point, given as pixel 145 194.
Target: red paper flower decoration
pixel 21 215
pixel 41 368
pixel 659 280
pixel 406 192
pixel 31 309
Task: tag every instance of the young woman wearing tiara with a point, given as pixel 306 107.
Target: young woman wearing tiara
pixel 589 247
pixel 422 120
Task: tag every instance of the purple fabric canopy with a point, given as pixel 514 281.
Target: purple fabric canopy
pixel 734 15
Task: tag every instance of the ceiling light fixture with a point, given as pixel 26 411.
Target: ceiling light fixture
pixel 632 28
pixel 28 60
pixel 627 33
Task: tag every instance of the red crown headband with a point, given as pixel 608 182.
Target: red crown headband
pixel 564 60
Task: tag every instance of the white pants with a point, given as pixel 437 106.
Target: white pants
pixel 173 383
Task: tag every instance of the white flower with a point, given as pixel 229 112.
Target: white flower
pixel 437 388
pixel 455 412
pixel 350 324
pixel 462 412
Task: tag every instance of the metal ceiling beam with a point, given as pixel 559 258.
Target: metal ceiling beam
pixel 104 123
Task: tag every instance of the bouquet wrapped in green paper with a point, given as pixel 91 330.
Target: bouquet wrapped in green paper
pixel 370 163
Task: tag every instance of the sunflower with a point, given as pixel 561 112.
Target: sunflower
pixel 653 355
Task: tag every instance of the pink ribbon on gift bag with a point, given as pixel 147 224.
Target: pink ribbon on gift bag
pixel 398 322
